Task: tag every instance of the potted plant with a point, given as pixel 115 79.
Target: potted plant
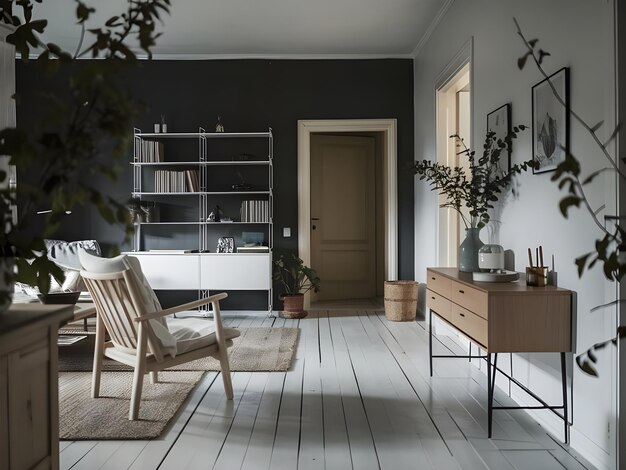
pixel 476 191
pixel 61 154
pixel 296 280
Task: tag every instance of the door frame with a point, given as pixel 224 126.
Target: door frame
pixel 461 63
pixel 390 192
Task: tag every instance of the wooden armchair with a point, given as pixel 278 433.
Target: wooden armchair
pixel 141 339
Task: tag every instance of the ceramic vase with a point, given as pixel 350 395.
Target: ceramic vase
pixel 468 253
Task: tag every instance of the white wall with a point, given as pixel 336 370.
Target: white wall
pixel 579 34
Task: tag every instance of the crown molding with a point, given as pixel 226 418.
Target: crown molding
pixel 261 56
pixel 273 56
pixel 431 27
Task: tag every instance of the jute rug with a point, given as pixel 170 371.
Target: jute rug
pixel 256 350
pixel 83 417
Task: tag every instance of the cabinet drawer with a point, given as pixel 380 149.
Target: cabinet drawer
pixel 438 304
pixel 168 272
pixel 468 297
pixel 438 283
pixel 236 271
pixel 469 324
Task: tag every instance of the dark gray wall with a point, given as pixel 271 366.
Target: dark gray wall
pixel 252 95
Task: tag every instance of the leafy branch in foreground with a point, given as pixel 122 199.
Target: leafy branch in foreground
pixel 568 175
pixel 479 189
pixel 62 152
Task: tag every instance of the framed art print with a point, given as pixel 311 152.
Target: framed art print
pixel 550 121
pixel 499 122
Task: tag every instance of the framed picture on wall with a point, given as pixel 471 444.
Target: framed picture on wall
pixel 499 122
pixel 551 121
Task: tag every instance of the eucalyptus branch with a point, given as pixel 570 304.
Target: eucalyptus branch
pixel 585 201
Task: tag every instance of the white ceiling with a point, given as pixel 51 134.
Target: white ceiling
pixel 269 28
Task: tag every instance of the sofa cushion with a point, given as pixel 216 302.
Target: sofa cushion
pixel 65 254
pixel 96 264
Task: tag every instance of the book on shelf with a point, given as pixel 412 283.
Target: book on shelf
pixel 170 252
pixel 255 211
pixel 148 151
pixel 170 181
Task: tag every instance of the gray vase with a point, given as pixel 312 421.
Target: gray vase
pixel 468 253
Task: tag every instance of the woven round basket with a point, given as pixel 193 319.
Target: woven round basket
pixel 401 300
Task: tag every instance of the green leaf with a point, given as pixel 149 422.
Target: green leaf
pixel 568 202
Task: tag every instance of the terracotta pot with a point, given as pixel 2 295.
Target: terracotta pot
pixel 293 306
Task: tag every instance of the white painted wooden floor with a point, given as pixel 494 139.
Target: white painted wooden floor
pixel 358 396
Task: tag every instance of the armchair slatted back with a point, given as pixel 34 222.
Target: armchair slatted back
pixel 118 303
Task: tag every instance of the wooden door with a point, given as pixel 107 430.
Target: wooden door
pixel 343 248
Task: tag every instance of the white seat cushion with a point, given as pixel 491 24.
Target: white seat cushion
pixel 96 264
pixel 195 333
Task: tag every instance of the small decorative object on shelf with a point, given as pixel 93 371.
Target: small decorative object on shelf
pixel 163 125
pixel 134 210
pixel 219 127
pixel 242 185
pixel 225 245
pixel 157 128
pixel 149 212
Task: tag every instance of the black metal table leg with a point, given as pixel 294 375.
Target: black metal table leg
pixel 493 375
pixel 564 385
pixel 430 340
pixel 489 396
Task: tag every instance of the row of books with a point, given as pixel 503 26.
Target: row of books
pixel 168 181
pixel 148 151
pixel 255 211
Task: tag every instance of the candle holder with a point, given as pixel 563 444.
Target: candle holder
pixel 537 276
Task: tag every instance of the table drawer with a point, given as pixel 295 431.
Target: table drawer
pixel 438 283
pixel 469 324
pixel 437 303
pixel 472 299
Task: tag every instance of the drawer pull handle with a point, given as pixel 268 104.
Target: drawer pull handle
pixel 432 297
pixel 462 314
pixel 461 291
pixel 434 278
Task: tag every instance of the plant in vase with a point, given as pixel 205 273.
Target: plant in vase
pixel 476 190
pixel 296 279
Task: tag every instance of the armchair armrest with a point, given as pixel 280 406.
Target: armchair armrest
pixel 183 307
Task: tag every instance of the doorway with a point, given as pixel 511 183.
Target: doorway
pixel 453 118
pixel 386 129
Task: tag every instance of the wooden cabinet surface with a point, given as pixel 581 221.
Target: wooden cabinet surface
pixel 29 400
pixel 502 317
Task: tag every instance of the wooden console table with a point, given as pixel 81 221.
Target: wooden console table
pixel 29 390
pixel 503 318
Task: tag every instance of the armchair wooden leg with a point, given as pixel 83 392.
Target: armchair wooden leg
pixel 97 358
pixel 154 377
pixel 225 366
pixel 140 370
pixel 135 397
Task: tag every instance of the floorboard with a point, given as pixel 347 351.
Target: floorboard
pixel 358 396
